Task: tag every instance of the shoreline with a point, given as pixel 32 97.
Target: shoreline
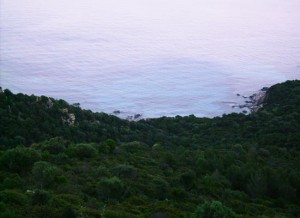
pixel 251 105
pixel 253 102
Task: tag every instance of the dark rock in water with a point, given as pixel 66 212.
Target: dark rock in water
pixel 136 116
pixel 255 102
pixel 117 112
pixel 252 96
pixel 238 94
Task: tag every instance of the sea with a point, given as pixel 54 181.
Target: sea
pixel 149 57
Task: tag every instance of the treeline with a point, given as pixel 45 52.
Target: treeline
pixel 101 166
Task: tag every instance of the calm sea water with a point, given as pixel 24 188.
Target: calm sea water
pixel 154 57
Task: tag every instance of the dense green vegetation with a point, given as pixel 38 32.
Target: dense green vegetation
pixel 101 166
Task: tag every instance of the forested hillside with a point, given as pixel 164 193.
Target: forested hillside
pixel 57 160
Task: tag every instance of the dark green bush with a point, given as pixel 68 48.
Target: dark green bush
pixel 19 160
pixel 45 174
pixel 125 171
pixel 110 188
pixel 13 197
pixel 214 209
pixel 81 151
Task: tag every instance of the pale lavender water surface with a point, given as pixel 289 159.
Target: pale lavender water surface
pixel 154 57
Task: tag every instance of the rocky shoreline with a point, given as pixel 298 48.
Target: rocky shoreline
pixel 254 102
pixel 251 104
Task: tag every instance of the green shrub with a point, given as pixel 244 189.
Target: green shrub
pixel 160 188
pixel 114 214
pixel 12 182
pixel 102 171
pixel 188 178
pixel 19 159
pixel 66 205
pixel 214 209
pixel 45 174
pixel 110 188
pixel 7 213
pixel 55 145
pixel 125 171
pixel 110 145
pixel 135 146
pixel 12 197
pixel 82 151
pixel 40 197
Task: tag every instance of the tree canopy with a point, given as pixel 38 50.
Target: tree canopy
pixel 101 166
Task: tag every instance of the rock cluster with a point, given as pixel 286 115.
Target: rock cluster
pixel 70 118
pixel 50 103
pixel 254 102
pixel 134 117
pixel 117 112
